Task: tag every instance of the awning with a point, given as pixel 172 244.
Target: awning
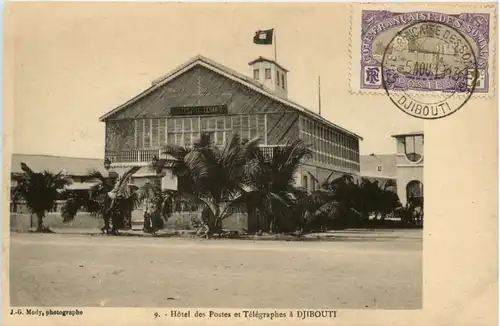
pixel 81 185
pixel 145 171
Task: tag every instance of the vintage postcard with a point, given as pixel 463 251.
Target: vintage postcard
pixel 244 163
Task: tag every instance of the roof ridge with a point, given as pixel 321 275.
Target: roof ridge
pixel 57 156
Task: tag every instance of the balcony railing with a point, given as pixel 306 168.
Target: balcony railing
pixel 146 155
pixel 132 156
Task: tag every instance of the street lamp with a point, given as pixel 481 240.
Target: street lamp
pixel 158 167
pixel 107 163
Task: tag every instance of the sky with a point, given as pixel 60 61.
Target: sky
pixel 74 62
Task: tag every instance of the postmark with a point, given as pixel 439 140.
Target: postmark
pixel 379 28
pixel 428 56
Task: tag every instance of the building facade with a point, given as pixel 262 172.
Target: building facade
pixel 202 96
pixel 380 168
pixel 410 166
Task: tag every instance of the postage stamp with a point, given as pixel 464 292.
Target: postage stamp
pixel 377 28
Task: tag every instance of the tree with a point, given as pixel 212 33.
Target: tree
pixel 389 199
pixel 271 190
pixel 40 190
pixel 110 199
pixel 159 205
pixel 317 210
pixel 347 194
pixel 211 177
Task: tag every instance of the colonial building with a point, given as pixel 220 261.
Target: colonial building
pixel 203 96
pixel 410 165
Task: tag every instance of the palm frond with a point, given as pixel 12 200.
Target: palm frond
pixel 94 175
pixel 26 169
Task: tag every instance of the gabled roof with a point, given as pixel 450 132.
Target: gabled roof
pixel 260 59
pixel 231 74
pixel 74 166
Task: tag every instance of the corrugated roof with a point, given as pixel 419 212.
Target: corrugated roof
pixel 369 165
pixel 72 165
pixel 232 74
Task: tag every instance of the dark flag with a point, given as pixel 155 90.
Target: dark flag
pixel 264 37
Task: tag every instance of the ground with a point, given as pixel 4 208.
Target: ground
pixel 362 269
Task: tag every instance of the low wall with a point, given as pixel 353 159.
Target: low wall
pixel 178 221
pixel 25 222
pixel 182 220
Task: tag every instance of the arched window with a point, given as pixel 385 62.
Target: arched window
pixel 414 190
pixel 414 148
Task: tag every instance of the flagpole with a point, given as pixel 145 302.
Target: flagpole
pixel 319 95
pixel 275 55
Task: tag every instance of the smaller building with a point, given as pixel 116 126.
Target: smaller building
pixel 380 168
pixel 74 167
pixel 410 166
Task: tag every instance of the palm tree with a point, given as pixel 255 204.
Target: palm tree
pixel 211 177
pixel 159 205
pixel 40 190
pixel 112 200
pixel 389 200
pixel 271 189
pixel 346 193
pixel 317 209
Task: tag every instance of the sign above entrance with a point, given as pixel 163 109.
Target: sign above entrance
pixel 199 110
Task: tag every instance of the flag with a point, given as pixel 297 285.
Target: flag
pixel 264 37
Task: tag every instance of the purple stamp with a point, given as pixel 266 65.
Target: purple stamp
pixel 430 51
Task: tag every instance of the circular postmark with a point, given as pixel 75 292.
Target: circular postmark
pixel 427 57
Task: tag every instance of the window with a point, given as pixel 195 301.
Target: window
pixel 283 81
pixel 204 124
pixel 220 138
pixel 147 133
pixel 256 74
pixel 413 146
pixel 178 125
pixel 155 133
pixel 187 124
pixel 220 123
pixel 140 131
pixel 211 124
pixel 277 77
pixel 163 126
pixel 261 128
pixel 304 182
pixel 187 139
pixel 186 131
pixel 379 168
pixel 268 73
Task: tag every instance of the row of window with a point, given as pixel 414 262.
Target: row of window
pixel 329 148
pixel 280 77
pixel 328 159
pixel 152 133
pixel 321 131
